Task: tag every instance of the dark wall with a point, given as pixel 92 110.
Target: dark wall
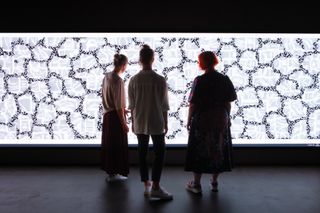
pixel 157 16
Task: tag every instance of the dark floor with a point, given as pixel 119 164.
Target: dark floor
pixel 83 189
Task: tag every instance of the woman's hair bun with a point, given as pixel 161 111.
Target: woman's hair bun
pixel 116 56
pixel 119 59
pixel 146 54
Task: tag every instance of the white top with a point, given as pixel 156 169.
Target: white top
pixel 148 99
pixel 113 96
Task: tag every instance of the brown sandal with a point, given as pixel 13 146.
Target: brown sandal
pixel 214 186
pixel 195 188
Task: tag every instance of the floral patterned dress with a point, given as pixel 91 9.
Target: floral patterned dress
pixel 209 144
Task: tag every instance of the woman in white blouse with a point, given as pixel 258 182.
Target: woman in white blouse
pixel 114 142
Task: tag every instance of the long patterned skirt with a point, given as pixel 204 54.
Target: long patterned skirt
pixel 209 144
pixel 114 146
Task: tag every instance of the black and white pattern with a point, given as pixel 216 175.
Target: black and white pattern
pixel 50 86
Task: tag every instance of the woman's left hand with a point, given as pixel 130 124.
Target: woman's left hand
pixel 188 125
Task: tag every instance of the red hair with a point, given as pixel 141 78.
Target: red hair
pixel 207 60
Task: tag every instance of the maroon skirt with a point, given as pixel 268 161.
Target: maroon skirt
pixel 114 146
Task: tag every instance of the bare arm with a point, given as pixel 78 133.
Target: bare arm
pixel 165 117
pixel 228 107
pixel 190 113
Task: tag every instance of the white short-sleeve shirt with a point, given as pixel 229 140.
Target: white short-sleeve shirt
pixel 148 99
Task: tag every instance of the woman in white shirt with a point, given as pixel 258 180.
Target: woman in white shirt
pixel 114 143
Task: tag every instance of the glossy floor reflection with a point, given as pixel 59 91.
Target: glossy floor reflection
pixel 84 189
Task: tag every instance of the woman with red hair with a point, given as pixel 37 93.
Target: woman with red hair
pixel 209 144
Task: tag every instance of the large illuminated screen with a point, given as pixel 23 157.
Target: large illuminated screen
pixel 50 84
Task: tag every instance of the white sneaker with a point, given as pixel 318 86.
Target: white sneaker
pixel 147 190
pixel 117 177
pixel 161 194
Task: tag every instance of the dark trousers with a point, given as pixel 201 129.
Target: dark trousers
pixel 159 151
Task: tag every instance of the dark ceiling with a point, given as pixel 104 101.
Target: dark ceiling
pixel 159 16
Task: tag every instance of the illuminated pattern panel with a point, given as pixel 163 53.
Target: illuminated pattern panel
pixel 50 84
